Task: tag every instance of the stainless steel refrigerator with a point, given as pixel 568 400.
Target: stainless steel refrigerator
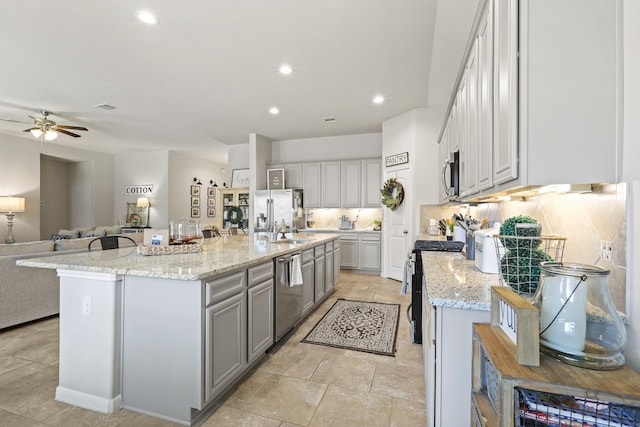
pixel 272 206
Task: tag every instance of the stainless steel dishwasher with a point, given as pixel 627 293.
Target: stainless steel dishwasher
pixel 288 298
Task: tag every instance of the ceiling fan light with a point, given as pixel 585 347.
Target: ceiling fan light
pixel 50 135
pixel 36 132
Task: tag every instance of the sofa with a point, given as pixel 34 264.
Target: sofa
pixel 28 293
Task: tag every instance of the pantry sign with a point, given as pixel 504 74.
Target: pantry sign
pixel 396 159
pixel 139 190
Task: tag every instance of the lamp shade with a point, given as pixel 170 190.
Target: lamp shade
pixel 142 202
pixel 11 204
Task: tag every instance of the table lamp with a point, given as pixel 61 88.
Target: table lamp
pixel 10 205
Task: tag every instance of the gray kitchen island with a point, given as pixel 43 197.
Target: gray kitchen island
pixel 166 335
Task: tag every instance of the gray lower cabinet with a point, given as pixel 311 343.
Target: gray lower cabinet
pixel 349 248
pixel 337 255
pixel 370 252
pixel 225 332
pixel 260 299
pixel 328 260
pixel 319 272
pixel 308 281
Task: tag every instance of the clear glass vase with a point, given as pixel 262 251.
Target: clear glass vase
pixel 579 323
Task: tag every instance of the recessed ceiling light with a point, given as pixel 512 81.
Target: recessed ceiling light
pixel 378 99
pixel 285 69
pixel 147 17
pixel 274 111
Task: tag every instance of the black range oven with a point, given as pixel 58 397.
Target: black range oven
pixel 417 278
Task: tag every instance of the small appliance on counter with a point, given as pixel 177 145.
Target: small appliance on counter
pixel 485 250
pixel 345 223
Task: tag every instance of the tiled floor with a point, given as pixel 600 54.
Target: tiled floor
pixel 297 384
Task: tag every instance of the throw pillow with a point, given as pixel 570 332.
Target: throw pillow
pixel 73 234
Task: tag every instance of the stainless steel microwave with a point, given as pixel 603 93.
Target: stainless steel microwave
pixel 451 176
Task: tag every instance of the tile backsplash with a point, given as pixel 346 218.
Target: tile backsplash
pixel 585 219
pixel 330 218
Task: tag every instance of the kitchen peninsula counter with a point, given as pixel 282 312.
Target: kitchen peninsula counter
pixel 218 256
pixel 166 335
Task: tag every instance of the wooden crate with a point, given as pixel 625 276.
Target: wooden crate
pixel 491 349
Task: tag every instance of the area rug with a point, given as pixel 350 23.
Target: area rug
pixel 371 327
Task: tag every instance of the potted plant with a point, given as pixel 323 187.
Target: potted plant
pixel 377 224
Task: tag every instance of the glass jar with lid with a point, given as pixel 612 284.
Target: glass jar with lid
pixel 579 323
pixel 185 231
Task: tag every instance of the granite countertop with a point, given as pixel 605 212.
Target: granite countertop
pixel 337 230
pixel 453 281
pixel 218 256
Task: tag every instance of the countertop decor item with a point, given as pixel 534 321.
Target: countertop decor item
pixel 358 325
pixel 392 193
pixel 579 323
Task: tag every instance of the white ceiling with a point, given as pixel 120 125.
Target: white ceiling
pixel 207 74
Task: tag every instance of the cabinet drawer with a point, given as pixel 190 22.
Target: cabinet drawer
pixel 336 244
pixel 370 237
pixel 260 273
pixel 307 255
pixel 220 289
pixel 350 236
pixel 318 250
pixel 328 247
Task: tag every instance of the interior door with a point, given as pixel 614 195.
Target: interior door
pixel 396 224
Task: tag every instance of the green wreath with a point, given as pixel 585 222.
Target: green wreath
pixel 234 215
pixel 392 193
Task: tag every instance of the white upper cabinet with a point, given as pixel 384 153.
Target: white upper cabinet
pixel 538 99
pixel 331 184
pixel 312 185
pixel 371 183
pixel 351 179
pixel 484 154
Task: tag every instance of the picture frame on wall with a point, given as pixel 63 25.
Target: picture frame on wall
pixel 195 201
pixel 211 202
pixel 211 192
pixel 275 179
pixel 240 178
pixel 195 212
pixel 195 190
pixel 211 212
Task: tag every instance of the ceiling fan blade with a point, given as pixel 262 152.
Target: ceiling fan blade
pixel 13 121
pixel 71 127
pixel 75 135
pixel 30 129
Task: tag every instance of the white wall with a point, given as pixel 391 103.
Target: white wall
pixel 631 173
pixel 238 159
pixel 20 176
pixel 427 170
pixel 54 194
pixel 343 147
pixel 81 200
pixel 183 167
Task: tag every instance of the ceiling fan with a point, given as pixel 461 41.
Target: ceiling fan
pixel 48 129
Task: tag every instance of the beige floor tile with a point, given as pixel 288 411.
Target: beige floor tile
pixel 47 353
pixel 404 382
pixel 407 413
pixel 287 399
pixel 346 372
pixel 9 363
pixel 345 407
pixel 7 419
pixel 230 417
pixel 294 361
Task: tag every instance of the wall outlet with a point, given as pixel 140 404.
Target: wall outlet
pixel 605 249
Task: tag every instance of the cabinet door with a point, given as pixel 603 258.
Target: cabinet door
pixel 370 254
pixel 328 275
pixel 337 252
pixel 351 179
pixel 331 184
pixel 349 248
pixel 319 286
pixel 225 343
pixel 472 108
pixel 505 131
pixel 463 132
pixel 312 184
pixel 485 99
pixel 371 183
pixel 260 320
pixel 308 286
pixel 293 175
